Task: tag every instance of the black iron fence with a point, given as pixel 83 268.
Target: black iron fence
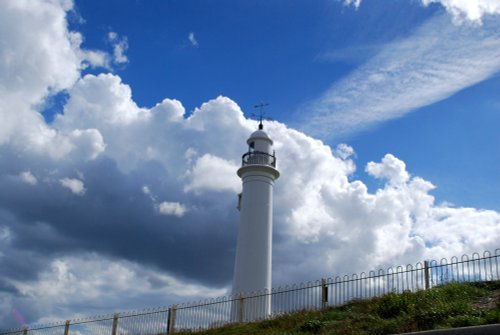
pixel 212 313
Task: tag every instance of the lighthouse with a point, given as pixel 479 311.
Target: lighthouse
pixel 252 271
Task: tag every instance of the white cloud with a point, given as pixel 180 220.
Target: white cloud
pixel 407 74
pixel 92 58
pixel 145 189
pixel 39 57
pixel 344 151
pixel 165 207
pixel 333 220
pixel 74 185
pixel 327 216
pixel 212 173
pixel 28 178
pixel 391 168
pixel 97 101
pixel 192 39
pixel 332 223
pixel 4 235
pixel 89 143
pixel 36 58
pixel 472 10
pixel 355 3
pixel 96 58
pixel 172 208
pixel 120 46
pixel 106 282
pixel 326 222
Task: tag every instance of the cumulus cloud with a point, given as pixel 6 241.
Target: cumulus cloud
pixel 97 101
pixel 74 185
pixel 391 168
pixel 105 282
pixel 35 60
pixel 172 208
pixel 332 223
pixel 165 207
pixel 28 177
pixel 38 60
pixel 140 161
pixel 213 173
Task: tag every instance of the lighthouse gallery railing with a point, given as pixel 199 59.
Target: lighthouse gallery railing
pixel 212 313
pixel 258 158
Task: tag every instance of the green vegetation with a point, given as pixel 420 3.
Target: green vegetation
pixel 448 306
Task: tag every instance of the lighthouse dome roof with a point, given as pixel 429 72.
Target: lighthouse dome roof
pixel 259 135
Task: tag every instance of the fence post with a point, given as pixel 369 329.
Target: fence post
pixel 426 275
pixel 66 327
pixel 241 308
pixel 172 314
pixel 115 324
pixel 324 293
pixel 168 319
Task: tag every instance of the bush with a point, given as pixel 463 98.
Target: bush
pixel 492 316
pixel 312 326
pixel 393 305
pixel 465 321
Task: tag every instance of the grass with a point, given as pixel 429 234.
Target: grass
pixel 448 306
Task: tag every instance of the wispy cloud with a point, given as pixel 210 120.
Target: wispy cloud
pixel 28 178
pixel 120 46
pixel 437 61
pixel 355 3
pixel 192 39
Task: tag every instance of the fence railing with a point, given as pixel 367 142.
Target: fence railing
pixel 258 158
pixel 216 312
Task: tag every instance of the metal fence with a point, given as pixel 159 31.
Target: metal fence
pixel 212 313
pixel 258 158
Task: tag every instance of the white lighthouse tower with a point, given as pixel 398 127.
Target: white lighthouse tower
pixel 252 271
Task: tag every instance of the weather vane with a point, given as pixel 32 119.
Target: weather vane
pixel 261 114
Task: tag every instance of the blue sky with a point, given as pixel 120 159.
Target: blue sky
pixel 124 122
pixel 288 54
